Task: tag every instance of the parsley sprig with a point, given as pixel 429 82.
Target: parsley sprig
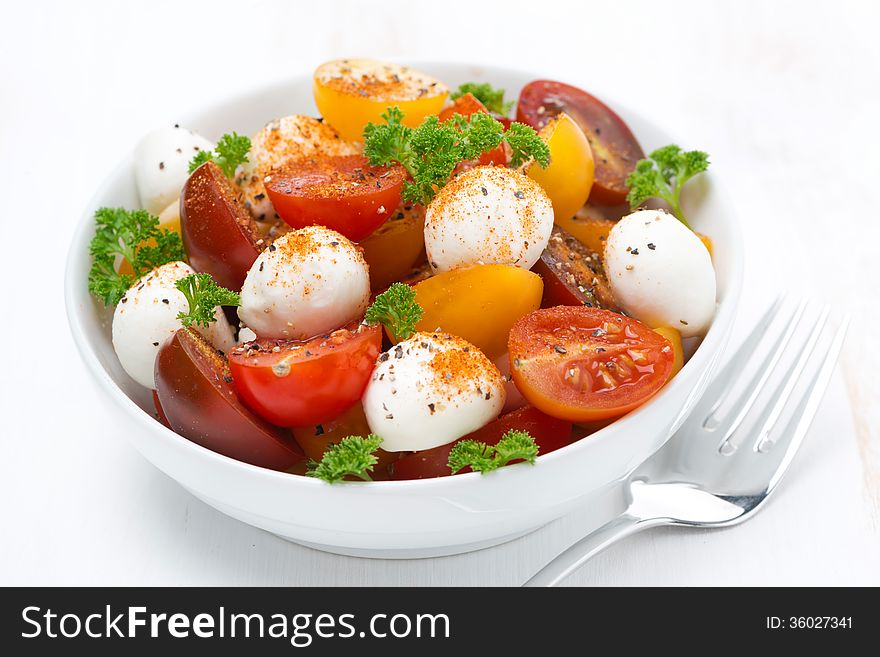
pixel 135 235
pixel 431 152
pixel 203 296
pixel 662 175
pixel 353 456
pixel 485 458
pixel 396 309
pixel 230 151
pixel 491 97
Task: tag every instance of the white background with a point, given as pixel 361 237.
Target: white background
pixel 785 97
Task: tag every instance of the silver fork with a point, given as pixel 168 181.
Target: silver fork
pixel 721 465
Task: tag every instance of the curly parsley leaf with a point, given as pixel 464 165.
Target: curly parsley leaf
pixel 230 151
pixel 526 144
pixel 491 97
pixel 662 175
pixel 203 296
pixel 431 152
pixel 481 457
pixel 134 235
pixel 353 456
pixel 396 309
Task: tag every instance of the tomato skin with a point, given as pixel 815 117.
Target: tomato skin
pixel 199 403
pixel 160 414
pixel 615 149
pixel 549 433
pixel 674 337
pixel 466 105
pixel 342 192
pixel 219 234
pixel 584 364
pixel 568 178
pixel 305 383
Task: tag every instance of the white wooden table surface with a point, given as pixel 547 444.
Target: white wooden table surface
pixel 785 97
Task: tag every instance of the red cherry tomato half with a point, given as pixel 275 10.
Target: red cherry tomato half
pixel 300 383
pixel 219 234
pixel 466 105
pixel 194 392
pixel 549 433
pixel 615 149
pixel 341 192
pixel 584 364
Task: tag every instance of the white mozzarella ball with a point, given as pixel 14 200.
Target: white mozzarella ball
pixel 279 142
pixel 430 390
pixel 660 272
pixel 488 215
pixel 161 165
pixel 308 282
pixel 146 317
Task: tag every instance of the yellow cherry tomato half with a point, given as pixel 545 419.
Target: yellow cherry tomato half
pixel 674 338
pixel 169 219
pixel 396 248
pixel 350 93
pixel 569 177
pixel 479 303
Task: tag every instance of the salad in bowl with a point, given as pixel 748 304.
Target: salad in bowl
pixel 421 280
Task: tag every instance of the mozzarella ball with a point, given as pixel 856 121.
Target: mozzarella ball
pixel 161 165
pixel 279 142
pixel 488 215
pixel 309 281
pixel 146 317
pixel 430 390
pixel 660 272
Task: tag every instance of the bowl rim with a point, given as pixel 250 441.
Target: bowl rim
pixel 713 341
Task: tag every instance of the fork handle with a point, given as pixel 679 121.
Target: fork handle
pixel 590 545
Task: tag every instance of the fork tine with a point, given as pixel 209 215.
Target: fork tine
pixel 802 418
pixel 770 416
pixel 754 387
pixel 720 386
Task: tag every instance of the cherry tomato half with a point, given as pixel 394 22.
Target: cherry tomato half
pixel 573 274
pixel 219 234
pixel 549 433
pixel 295 383
pixel 583 364
pixel 615 149
pixel 342 192
pixel 195 394
pixel 315 439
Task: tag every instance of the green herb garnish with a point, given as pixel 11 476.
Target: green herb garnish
pixel 126 233
pixel 353 455
pixel 230 151
pixel 397 310
pixel 485 458
pixel 431 152
pixel 491 97
pixel 662 175
pixel 203 296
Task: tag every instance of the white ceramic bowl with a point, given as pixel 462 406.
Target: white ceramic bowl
pixel 399 518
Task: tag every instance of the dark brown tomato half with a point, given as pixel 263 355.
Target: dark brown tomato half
pixel 549 433
pixel 219 234
pixel 573 274
pixel 194 390
pixel 615 149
